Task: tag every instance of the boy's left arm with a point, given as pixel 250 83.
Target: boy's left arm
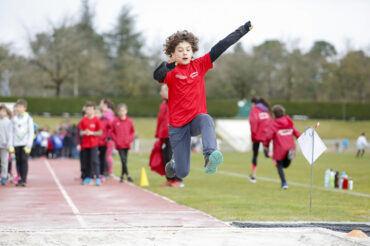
pixel 132 132
pixel 231 39
pixel 31 135
pixel 296 133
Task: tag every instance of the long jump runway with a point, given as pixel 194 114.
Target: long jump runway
pixel 55 209
pixel 55 199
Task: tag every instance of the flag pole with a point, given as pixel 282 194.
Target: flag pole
pixel 312 161
pixel 313 147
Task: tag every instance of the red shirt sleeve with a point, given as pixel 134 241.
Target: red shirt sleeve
pixel 204 63
pixel 132 131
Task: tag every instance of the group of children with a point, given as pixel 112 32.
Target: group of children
pixel 16 137
pixel 280 130
pixel 98 130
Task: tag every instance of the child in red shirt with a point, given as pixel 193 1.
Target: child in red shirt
pixel 260 120
pixel 187 99
pixel 123 133
pixel 103 141
pixel 281 133
pixel 90 130
pixel 162 134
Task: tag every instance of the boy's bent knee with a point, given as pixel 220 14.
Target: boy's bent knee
pixel 181 173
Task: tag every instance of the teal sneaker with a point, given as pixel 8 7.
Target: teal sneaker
pixel 213 161
pixel 86 181
pixel 98 182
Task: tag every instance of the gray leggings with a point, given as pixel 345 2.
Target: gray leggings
pixel 4 157
pixel 180 138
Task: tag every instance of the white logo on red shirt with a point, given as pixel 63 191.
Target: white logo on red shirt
pixel 92 125
pixel 263 115
pixel 285 132
pixel 193 75
pixel 181 76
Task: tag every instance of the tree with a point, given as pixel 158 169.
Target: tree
pixel 59 54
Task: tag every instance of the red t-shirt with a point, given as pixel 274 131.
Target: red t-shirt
pixel 186 90
pixel 92 124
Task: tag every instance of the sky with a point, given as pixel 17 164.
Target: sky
pixel 344 23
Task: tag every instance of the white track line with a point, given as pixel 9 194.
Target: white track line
pixel 75 210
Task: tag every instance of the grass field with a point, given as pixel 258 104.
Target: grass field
pixel 229 196
pixel 329 129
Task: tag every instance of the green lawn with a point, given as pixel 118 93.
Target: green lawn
pixel 229 196
pixel 329 129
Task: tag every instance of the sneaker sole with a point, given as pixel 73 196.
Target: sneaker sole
pixel 251 180
pixel 215 159
pixel 169 170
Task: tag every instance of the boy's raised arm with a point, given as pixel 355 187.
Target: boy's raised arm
pixel 161 71
pixel 231 39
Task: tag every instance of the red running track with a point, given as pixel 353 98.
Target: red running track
pixel 55 199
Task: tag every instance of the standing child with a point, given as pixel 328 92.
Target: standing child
pixel 5 138
pixel 22 139
pixel 103 141
pixel 90 130
pixel 108 111
pixel 162 134
pixel 259 119
pixel 361 143
pixel 187 98
pixel 281 133
pixel 123 133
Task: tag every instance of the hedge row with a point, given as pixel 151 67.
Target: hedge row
pixel 216 107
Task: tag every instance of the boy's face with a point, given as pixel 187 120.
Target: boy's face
pixel 90 111
pixel 164 92
pixel 19 109
pixel 3 113
pixel 122 111
pixel 183 52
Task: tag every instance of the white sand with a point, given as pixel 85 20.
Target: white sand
pixel 180 236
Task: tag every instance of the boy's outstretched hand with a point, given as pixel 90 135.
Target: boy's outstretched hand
pixel 248 26
pixel 174 58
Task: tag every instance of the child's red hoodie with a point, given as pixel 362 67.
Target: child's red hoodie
pixel 123 132
pixel 106 128
pixel 162 121
pixel 281 132
pixel 260 120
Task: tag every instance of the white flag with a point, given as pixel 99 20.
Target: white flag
pixel 305 144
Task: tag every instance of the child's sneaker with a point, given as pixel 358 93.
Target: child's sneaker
pixel 86 181
pixel 168 183
pixel 3 181
pixel 177 183
pixel 121 179
pixel 170 172
pixel 252 179
pixel 129 179
pixel 16 180
pixel 284 186
pixel 291 154
pixel 213 161
pixel 21 183
pixel 97 182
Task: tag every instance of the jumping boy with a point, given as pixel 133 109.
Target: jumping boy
pixel 90 130
pixel 123 133
pixel 281 133
pixel 187 99
pixel 22 134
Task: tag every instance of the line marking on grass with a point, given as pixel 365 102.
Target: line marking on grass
pixel 75 210
pixel 353 193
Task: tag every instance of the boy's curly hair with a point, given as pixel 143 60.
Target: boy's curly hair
pixel 178 37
